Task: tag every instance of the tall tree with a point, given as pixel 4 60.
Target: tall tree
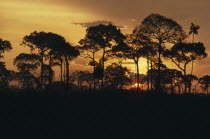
pixel 120 52
pixel 5 75
pixel 38 41
pixel 135 51
pixel 190 79
pixel 149 52
pixel 47 45
pixel 89 46
pixel 162 30
pixel 194 31
pixel 205 82
pixel 4 46
pixel 183 53
pixel 105 36
pixel 112 78
pixel 26 65
pixel 70 53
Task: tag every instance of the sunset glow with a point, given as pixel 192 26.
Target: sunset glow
pixel 21 17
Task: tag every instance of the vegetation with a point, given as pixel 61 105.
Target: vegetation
pixel 148 40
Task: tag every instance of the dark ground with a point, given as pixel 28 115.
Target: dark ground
pixel 104 116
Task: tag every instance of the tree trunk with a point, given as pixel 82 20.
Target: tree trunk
pixel 64 74
pixel 42 66
pixel 94 68
pixel 50 67
pixel 179 88
pixel 185 81
pixel 158 87
pixel 121 76
pixel 192 60
pixel 190 88
pixel 172 88
pixel 67 73
pixel 103 66
pixel 147 73
pixel 138 80
pixel 61 69
pixel 151 75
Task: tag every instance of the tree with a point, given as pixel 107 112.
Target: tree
pixel 190 79
pixel 26 65
pixel 194 31
pixel 104 36
pixel 4 46
pixel 149 52
pixel 112 78
pixel 37 41
pixel 70 53
pixel 135 51
pixel 205 82
pixel 5 76
pixel 88 45
pixel 183 53
pixel 83 77
pixel 27 62
pixel 120 52
pixel 161 30
pixel 47 44
pixel 171 76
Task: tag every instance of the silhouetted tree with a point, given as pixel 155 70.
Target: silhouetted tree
pixel 205 82
pixel 194 31
pixel 4 46
pixel 190 79
pixel 135 51
pixel 162 30
pixel 69 54
pixel 5 76
pixel 83 77
pixel 38 41
pixel 26 65
pixel 184 53
pixel 112 78
pixel 47 44
pixel 171 76
pixel 88 45
pixel 149 52
pixel 104 36
pixel 120 52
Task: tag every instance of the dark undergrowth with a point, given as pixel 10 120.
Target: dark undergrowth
pixel 103 115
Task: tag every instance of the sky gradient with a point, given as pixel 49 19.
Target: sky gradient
pixel 70 18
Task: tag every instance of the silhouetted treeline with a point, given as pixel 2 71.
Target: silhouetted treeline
pixel 101 43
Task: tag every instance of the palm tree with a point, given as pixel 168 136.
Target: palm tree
pixel 194 31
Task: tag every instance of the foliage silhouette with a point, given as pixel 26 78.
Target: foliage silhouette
pixel 194 31
pixel 185 53
pixel 104 36
pixel 162 30
pixel 205 82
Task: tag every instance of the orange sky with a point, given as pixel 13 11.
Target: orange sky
pixel 21 17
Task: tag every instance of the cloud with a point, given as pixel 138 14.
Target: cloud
pixel 133 20
pixel 95 23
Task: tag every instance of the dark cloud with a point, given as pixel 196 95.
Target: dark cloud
pixel 95 23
